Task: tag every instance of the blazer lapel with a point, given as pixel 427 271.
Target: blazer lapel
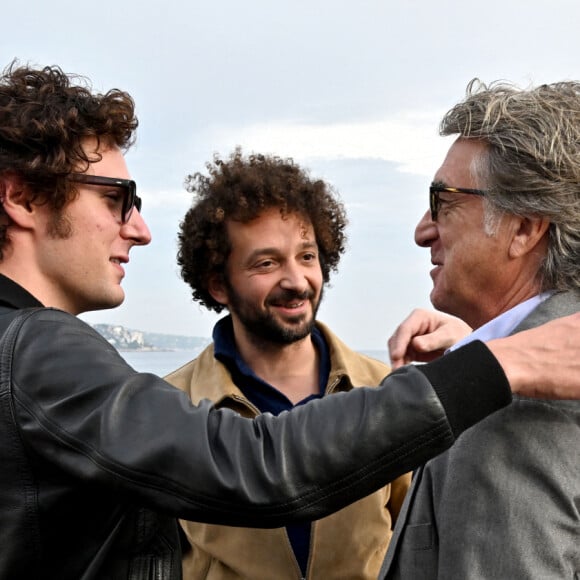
pixel 400 525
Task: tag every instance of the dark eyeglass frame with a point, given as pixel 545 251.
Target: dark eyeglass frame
pixel 435 201
pixel 129 187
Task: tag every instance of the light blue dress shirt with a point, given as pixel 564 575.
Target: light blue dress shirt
pixel 505 323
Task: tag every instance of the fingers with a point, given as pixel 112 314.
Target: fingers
pixel 543 362
pixel 423 336
pixel 449 331
pixel 400 340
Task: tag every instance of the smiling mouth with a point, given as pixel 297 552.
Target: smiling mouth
pixel 290 299
pixel 290 306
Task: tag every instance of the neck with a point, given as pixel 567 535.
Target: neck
pixel 500 305
pixel 20 265
pixel 293 369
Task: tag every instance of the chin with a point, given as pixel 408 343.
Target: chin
pixel 434 299
pixel 439 303
pixel 109 302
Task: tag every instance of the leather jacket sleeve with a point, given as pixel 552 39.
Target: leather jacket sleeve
pixel 79 406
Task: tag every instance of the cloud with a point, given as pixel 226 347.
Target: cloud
pixel 408 139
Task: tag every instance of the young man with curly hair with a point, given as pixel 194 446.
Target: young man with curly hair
pixel 261 241
pixel 97 459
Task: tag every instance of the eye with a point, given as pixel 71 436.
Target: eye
pixel 266 264
pixel 115 196
pixel 443 201
pixel 446 206
pixel 310 257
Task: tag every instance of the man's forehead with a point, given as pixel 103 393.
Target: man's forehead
pixel 270 217
pixel 457 167
pixel 271 230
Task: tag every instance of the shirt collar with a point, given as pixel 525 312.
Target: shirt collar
pixel 504 324
pixel 15 296
pixel 263 395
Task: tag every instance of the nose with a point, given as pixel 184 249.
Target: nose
pixel 294 278
pixel 426 231
pixel 136 229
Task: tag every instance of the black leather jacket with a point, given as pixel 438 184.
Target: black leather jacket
pixel 97 460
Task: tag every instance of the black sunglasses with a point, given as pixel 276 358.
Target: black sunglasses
pixel 129 187
pixel 435 190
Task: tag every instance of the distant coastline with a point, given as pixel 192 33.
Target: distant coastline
pixel 126 340
pixel 129 340
pixel 162 363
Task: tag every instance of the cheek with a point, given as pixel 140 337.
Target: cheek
pixel 254 289
pixel 314 276
pixel 316 281
pixel 469 269
pixel 461 266
pixel 460 247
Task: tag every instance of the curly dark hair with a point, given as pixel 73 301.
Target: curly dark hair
pixel 241 188
pixel 45 116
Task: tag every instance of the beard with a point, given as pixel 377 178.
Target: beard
pixel 262 324
pixel 60 226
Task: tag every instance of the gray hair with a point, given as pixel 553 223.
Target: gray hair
pixel 531 164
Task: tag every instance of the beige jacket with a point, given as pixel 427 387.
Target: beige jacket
pixel 349 544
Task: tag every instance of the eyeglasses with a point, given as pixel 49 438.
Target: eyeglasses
pixel 435 202
pixel 129 187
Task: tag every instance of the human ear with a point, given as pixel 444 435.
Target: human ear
pixel 217 289
pixel 15 200
pixel 529 234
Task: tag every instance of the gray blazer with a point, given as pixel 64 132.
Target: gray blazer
pixel 504 502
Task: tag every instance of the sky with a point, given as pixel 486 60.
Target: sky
pixel 353 91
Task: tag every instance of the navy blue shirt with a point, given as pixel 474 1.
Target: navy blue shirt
pixel 269 399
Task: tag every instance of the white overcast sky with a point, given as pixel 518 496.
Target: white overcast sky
pixel 352 90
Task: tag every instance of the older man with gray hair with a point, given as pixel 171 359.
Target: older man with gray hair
pixel 504 234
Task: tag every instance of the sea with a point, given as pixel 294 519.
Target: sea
pixel 162 363
pixel 158 362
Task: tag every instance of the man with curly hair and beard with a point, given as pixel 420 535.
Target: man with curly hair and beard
pixel 261 240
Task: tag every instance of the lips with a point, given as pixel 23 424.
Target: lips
pixel 290 300
pixel 436 262
pixel 289 305
pixel 119 260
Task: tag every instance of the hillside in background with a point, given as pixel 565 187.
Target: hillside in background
pixel 126 339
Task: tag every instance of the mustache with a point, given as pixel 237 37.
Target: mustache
pixel 288 295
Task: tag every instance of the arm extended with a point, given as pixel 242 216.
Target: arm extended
pixel 100 421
